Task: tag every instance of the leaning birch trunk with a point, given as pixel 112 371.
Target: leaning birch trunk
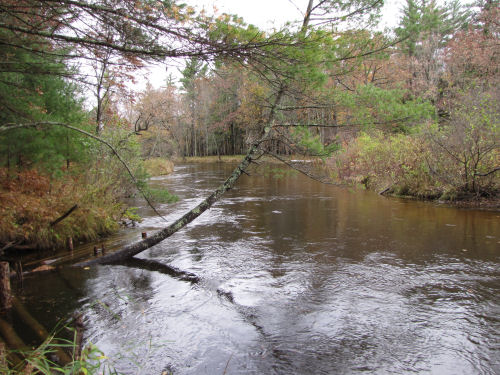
pixel 136 248
pixel 146 243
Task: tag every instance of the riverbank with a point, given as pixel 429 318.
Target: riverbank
pixel 38 212
pixel 412 166
pixel 158 166
pixel 369 164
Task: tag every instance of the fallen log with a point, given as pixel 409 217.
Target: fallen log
pixel 382 192
pixel 135 248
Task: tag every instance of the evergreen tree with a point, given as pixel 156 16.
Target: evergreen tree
pixel 425 28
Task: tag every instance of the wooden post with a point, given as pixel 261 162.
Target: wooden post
pixel 5 296
pixel 70 244
pixel 3 355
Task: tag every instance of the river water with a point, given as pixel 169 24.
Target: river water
pixel 296 277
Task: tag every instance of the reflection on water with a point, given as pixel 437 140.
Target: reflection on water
pixel 296 277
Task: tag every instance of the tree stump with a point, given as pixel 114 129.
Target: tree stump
pixel 5 295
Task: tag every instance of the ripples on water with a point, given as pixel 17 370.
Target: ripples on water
pixel 296 278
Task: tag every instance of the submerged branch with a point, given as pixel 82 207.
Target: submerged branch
pixel 155 266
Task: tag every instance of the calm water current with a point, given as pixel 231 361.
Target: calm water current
pixel 296 277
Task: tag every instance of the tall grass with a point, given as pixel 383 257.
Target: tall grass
pixel 41 360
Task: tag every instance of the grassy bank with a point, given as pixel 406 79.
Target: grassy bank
pixel 413 166
pixel 44 359
pixel 210 159
pixel 158 166
pixel 31 204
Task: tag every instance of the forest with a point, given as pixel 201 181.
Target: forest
pixel 410 111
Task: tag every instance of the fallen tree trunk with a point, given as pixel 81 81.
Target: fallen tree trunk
pixel 138 247
pixel 135 248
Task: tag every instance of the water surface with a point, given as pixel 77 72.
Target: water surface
pixel 296 277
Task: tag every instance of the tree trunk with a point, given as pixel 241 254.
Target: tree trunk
pixel 136 248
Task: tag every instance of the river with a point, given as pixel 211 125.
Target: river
pixel 296 277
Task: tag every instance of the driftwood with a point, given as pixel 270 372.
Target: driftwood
pixel 64 216
pixel 382 192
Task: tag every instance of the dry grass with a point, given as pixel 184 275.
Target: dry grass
pixel 210 159
pixel 30 202
pixel 232 159
pixel 158 166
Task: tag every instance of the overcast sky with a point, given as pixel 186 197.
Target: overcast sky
pixel 264 14
pixel 268 13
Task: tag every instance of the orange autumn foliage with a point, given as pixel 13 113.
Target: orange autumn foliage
pixel 30 202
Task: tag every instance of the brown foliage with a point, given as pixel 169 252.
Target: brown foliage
pixel 30 202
